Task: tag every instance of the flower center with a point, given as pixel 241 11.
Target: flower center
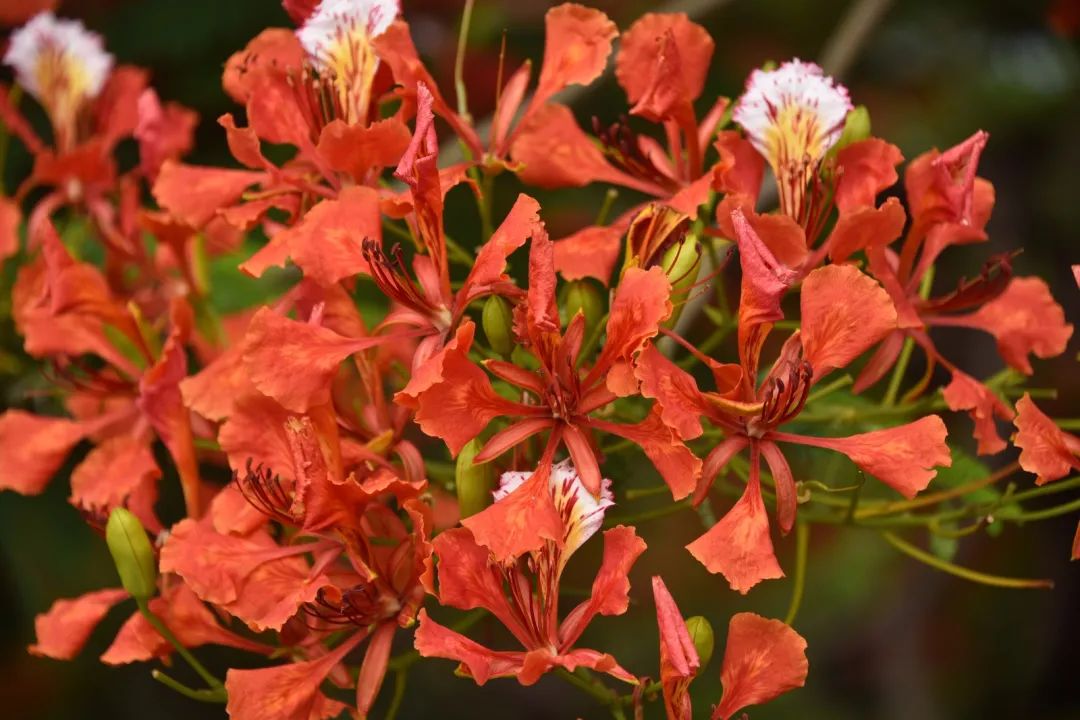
pixel 338 40
pixel 63 65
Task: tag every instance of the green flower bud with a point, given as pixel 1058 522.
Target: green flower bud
pixel 702 634
pixel 856 127
pixel 473 482
pixel 498 323
pixel 582 296
pixel 132 554
pixel 681 264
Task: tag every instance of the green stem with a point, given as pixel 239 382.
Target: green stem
pixel 1068 423
pixel 166 633
pixel 459 61
pixel 606 205
pixel 401 678
pixel 217 695
pixel 898 373
pixel 963 572
pixel 853 505
pixel 600 692
pixel 1007 514
pixel 832 387
pixel 652 514
pixel 802 545
pixel 487 190
pixel 638 493
pixel 5 135
pixel 458 253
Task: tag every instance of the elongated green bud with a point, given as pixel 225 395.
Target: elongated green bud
pixel 132 554
pixel 702 634
pixel 473 482
pixel 582 296
pixel 498 323
pixel 856 127
pixel 681 264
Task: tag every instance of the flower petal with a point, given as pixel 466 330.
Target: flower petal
pixel 555 152
pixel 64 629
pixel 357 149
pixel 589 252
pixel 763 659
pixel 679 661
pixel 865 169
pixel 577 43
pixel 639 54
pixel 1025 320
pixel 642 301
pixel 294 362
pixel 521 521
pixel 434 640
pixel 966 393
pixel 865 226
pixel 286 692
pixel 738 546
pixel 844 313
pixel 1045 449
pixel 194 194
pixel 902 457
pixel 611 587
pixel 34 448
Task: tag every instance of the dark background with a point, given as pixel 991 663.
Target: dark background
pixel 888 638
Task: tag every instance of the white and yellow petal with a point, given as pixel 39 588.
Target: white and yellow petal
pixel 61 63
pixel 337 39
pixel 793 115
pixel 582 513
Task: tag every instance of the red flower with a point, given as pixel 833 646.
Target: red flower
pixel 365 569
pixel 950 205
pixel 844 313
pixel 65 309
pixel 460 404
pixel 523 591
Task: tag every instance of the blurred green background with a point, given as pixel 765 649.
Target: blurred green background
pixel 887 638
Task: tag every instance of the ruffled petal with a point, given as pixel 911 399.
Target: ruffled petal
pixel 64 629
pixel 763 659
pixel 1045 449
pixel 738 546
pixel 844 313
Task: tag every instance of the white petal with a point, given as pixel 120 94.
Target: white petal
pixel 335 20
pixel 49 53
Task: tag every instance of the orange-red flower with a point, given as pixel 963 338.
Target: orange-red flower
pixel 950 205
pixel 844 313
pixel 562 395
pixel 522 592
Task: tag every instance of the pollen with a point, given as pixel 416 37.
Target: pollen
pixel 793 115
pixel 337 38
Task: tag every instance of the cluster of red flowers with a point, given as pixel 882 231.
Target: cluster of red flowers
pixel 341 527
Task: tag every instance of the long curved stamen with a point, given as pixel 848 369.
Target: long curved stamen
pixel 264 491
pixel 621 146
pixel 390 274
